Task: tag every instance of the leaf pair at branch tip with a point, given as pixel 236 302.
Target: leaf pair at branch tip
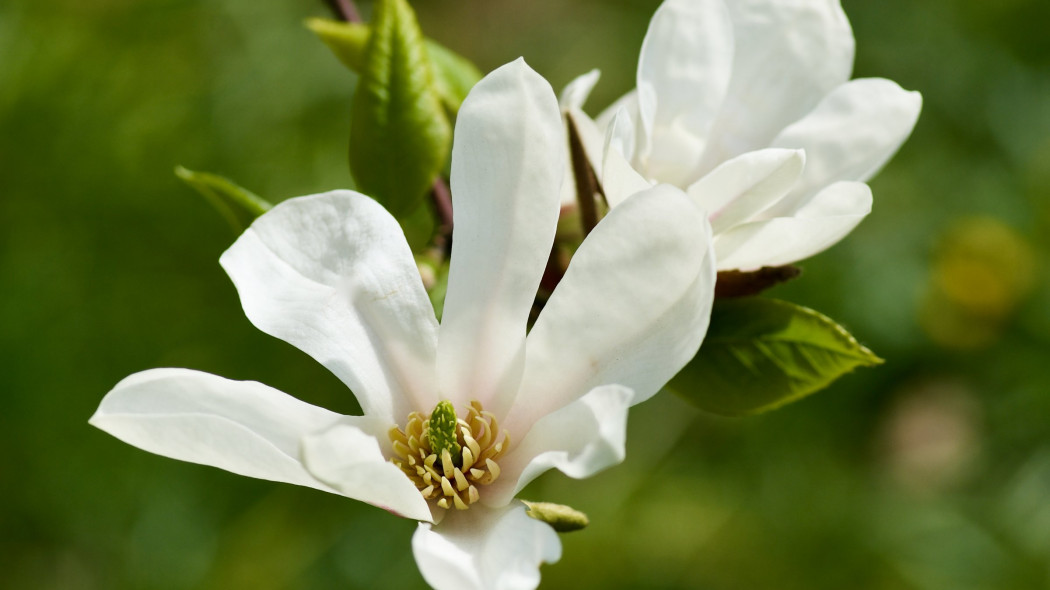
pixel 760 354
pixel 400 135
pixel 409 92
pixel 454 75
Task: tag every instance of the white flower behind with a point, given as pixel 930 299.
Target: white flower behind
pixel 748 106
pixel 333 275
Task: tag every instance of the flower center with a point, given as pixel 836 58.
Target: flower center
pixel 448 458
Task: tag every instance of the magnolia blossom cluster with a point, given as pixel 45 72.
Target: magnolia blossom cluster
pixel 458 416
pixel 744 145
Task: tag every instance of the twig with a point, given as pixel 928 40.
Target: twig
pixel 442 197
pixel 345 9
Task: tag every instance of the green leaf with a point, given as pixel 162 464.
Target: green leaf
pixel 346 40
pixel 238 206
pixel 399 134
pixel 454 75
pixel 760 354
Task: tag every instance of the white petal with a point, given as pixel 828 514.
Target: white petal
pixel 571 101
pixel 825 220
pixel 633 143
pixel 788 56
pixel 628 102
pixel 348 457
pixel 332 275
pixel 576 92
pixel 579 440
pixel 619 178
pixel 507 166
pixel 631 309
pixel 744 186
pixel 850 135
pixel 243 427
pixel 683 75
pixel 568 190
pixel 591 136
pixel 485 549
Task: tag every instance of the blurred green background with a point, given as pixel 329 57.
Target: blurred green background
pixel 931 472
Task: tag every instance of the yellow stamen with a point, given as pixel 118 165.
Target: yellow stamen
pixel 468 458
pixel 461 481
pixel 453 475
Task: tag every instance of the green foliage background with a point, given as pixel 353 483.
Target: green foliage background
pixel 931 472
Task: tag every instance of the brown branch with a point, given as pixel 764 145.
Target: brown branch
pixel 443 202
pixel 345 10
pixel 442 199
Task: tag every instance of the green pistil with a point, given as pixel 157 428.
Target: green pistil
pixel 442 432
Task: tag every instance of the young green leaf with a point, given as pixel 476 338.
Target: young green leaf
pixel 399 135
pixel 346 40
pixel 760 354
pixel 454 75
pixel 238 206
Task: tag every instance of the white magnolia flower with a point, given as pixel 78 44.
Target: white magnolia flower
pixel 458 417
pixel 748 106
